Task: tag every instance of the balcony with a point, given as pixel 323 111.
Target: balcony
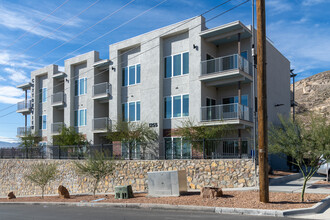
pixel 58 99
pixel 227 114
pixel 56 127
pixel 24 107
pixel 101 125
pixel 23 131
pixel 101 91
pixel 227 69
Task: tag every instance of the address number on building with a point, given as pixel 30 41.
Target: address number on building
pixel 153 125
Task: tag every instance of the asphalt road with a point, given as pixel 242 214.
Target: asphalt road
pixel 45 212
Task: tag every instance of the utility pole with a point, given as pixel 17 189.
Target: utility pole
pixel 262 103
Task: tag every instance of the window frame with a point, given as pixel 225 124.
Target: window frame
pixel 172 65
pixel 77 113
pixel 172 106
pixel 181 148
pixel 42 122
pixel 77 83
pixel 136 118
pixel 128 75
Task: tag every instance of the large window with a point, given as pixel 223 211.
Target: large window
pixel 176 106
pixel 230 147
pixel 43 95
pixel 131 75
pixel 131 111
pixel 176 65
pixel 43 122
pixel 177 148
pixel 80 86
pixel 234 99
pixel 134 150
pixel 80 117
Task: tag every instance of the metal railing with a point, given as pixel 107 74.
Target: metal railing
pixel 24 105
pixel 58 98
pixel 101 124
pixel 225 112
pixel 222 64
pixel 101 89
pixel 56 127
pixel 23 131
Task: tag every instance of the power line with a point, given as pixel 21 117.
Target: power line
pixel 111 14
pixel 132 19
pixel 38 24
pixel 52 33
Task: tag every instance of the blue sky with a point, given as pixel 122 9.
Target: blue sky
pixel 300 29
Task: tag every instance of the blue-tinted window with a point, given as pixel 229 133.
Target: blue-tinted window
pixel 44 95
pixel 177 65
pixel 176 148
pixel 125 76
pixel 81 86
pixel 177 106
pixel 168 67
pixel 125 111
pixel 185 105
pixel 168 107
pixel 244 54
pixel 138 111
pixel 131 75
pixel 44 122
pixel 82 117
pixel 185 63
pixel 186 149
pixel 168 148
pixel 138 73
pixel 132 111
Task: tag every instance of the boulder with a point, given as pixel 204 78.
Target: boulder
pixel 11 195
pixel 63 192
pixel 211 192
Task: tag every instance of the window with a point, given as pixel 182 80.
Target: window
pixel 244 54
pixel 176 65
pixel 43 122
pixel 176 106
pixel 80 117
pixel 177 148
pixel 80 86
pixel 131 75
pixel 131 111
pixel 234 99
pixel 230 147
pixel 43 95
pixel 135 150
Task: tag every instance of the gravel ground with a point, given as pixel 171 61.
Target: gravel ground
pixel 236 199
pixel 278 173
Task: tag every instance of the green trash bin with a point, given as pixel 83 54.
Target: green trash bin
pixel 123 192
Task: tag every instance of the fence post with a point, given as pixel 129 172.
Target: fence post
pixel 59 152
pixel 203 148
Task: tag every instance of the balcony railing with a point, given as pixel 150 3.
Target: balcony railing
pixel 23 131
pixel 225 112
pixel 101 90
pixel 101 124
pixel 56 127
pixel 222 64
pixel 58 99
pixel 24 106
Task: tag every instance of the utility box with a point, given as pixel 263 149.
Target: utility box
pixel 123 192
pixel 167 183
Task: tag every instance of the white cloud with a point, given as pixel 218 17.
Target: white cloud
pixel 278 6
pixel 17 76
pixel 27 19
pixel 9 140
pixel 312 2
pixel 10 95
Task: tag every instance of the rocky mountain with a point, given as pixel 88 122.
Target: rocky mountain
pixel 312 94
pixel 4 144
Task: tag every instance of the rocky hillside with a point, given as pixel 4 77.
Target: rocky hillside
pixel 313 95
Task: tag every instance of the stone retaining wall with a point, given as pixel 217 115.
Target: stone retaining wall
pixel 221 173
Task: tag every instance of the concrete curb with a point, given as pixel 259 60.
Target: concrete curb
pixel 318 207
pixel 220 210
pixel 284 179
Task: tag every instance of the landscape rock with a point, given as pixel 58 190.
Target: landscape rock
pixel 63 192
pixel 11 195
pixel 211 192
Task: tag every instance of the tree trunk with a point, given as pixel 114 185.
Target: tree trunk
pixel 95 187
pixel 303 189
pixel 42 191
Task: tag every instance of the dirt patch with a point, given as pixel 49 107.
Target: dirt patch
pixel 278 173
pixel 236 199
pixel 322 183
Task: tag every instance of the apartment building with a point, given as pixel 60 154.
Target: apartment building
pixel 163 77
